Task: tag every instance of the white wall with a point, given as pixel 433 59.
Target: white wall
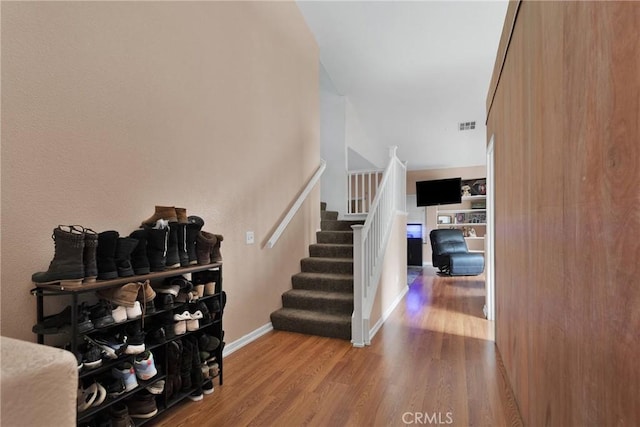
pixel 110 108
pixel 356 138
pixel 333 184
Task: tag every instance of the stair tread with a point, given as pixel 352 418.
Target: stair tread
pixel 314 316
pixel 327 259
pixel 308 293
pixel 333 276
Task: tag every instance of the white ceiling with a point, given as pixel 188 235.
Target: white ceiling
pixel 413 70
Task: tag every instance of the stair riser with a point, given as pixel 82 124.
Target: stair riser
pixel 323 329
pixel 340 237
pixel 329 285
pixel 329 215
pixel 331 251
pixel 314 265
pixel 317 304
pixel 338 225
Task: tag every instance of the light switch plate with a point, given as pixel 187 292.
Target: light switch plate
pixel 250 239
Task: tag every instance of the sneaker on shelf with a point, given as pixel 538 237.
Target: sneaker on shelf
pixel 84 319
pixel 128 375
pixel 214 368
pixel 195 313
pixel 156 388
pixel 197 395
pixel 102 395
pixel 54 323
pixel 86 396
pixel 119 314
pixel 181 313
pixel 180 327
pixel 144 366
pixel 113 385
pixel 92 356
pixel 192 325
pixel 207 387
pixel 120 415
pixel 112 346
pixel 100 314
pixel 134 338
pixel 135 311
pixel 142 405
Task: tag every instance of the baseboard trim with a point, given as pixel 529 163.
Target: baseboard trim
pixel 250 337
pixel 387 313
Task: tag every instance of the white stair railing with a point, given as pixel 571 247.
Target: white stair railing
pixel 296 205
pixel 362 187
pixel 369 244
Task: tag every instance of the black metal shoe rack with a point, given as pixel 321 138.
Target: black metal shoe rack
pixel 159 349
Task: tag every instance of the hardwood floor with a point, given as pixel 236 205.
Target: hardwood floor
pixel 431 363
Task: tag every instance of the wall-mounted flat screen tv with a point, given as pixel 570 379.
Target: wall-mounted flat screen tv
pixel 438 192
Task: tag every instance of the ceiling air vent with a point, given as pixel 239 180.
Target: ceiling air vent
pixel 467 126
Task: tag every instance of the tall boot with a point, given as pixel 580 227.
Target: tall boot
pixel 89 255
pixel 66 266
pixel 125 246
pixel 195 224
pixel 183 255
pixel 157 242
pixel 216 256
pixel 106 255
pixel 173 257
pixel 204 244
pixel 167 213
pixel 139 259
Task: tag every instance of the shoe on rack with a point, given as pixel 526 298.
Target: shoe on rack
pixel 192 325
pixel 66 267
pixel 205 243
pixel 112 346
pixel 208 343
pixel 106 255
pixel 120 415
pixel 123 295
pixel 101 314
pixel 119 314
pixel 146 294
pixel 156 388
pixel 144 366
pixel 210 288
pixel 86 396
pixel 139 258
pixel 124 247
pixel 167 213
pixel 102 395
pixel 207 387
pixel 181 313
pixel 55 323
pixel 142 405
pixel 134 338
pixel 92 356
pixel 197 395
pixel 89 255
pixel 206 315
pixel 113 385
pixel 180 327
pixel 195 313
pixel 216 256
pixel 134 312
pixel 127 373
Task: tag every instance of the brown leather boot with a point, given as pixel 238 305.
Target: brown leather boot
pixel 204 244
pixel 216 256
pixel 181 214
pixel 162 212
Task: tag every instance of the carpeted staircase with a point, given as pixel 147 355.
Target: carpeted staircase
pixel 321 301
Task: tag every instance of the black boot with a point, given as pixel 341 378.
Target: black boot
pixel 89 255
pixel 173 258
pixel 125 246
pixel 67 266
pixel 157 240
pixel 106 255
pixel 193 228
pixel 139 259
pixel 185 364
pixel 182 244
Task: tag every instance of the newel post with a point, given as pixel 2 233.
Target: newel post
pixel 357 326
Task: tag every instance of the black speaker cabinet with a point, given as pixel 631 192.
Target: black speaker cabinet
pixel 414 251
